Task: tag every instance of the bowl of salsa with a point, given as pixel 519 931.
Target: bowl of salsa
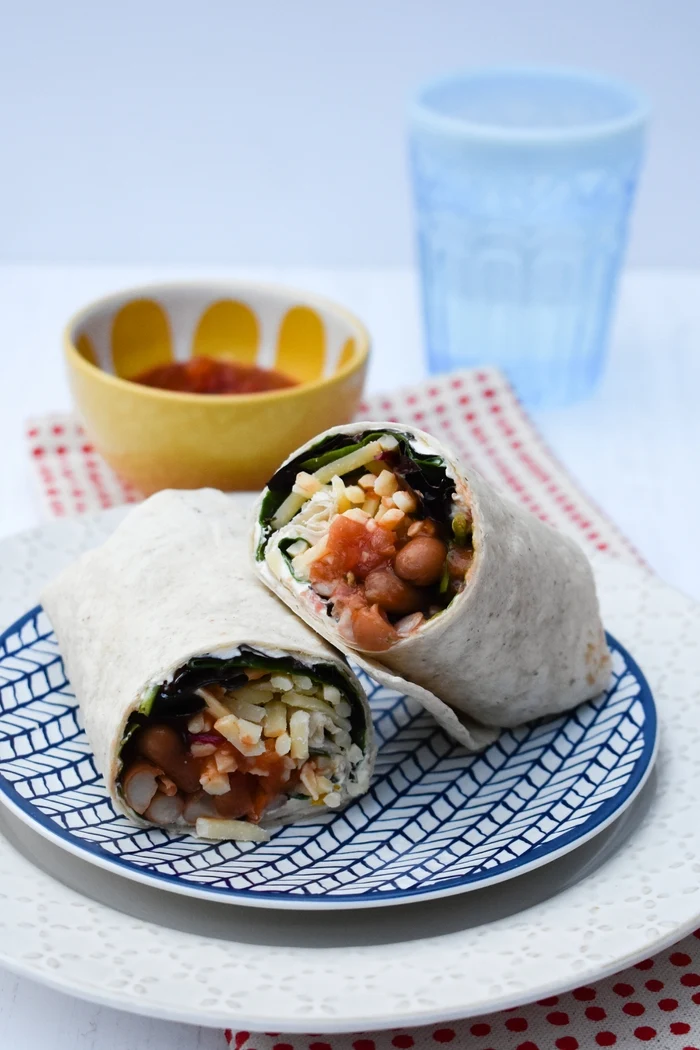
pixel 211 375
pixel 188 385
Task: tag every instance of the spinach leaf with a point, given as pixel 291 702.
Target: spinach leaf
pixel 427 477
pixel 284 551
pixel 280 484
pixel 178 697
pixel 146 704
pixel 331 454
pixel 425 474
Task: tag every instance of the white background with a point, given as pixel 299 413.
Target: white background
pixel 272 131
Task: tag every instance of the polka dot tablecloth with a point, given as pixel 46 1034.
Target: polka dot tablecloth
pixel 655 1003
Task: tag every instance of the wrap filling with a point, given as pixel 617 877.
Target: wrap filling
pixel 227 743
pixel 371 527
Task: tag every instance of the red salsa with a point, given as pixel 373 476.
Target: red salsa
pixel 208 375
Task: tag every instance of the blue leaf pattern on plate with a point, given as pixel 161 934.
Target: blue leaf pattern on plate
pixel 436 820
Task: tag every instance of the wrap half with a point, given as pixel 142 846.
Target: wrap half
pixel 438 585
pixel 207 704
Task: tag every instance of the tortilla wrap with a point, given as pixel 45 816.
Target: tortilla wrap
pixel 522 640
pixel 173 582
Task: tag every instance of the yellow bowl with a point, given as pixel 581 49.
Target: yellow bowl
pixel 160 439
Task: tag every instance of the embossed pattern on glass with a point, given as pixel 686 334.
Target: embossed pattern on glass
pixel 522 223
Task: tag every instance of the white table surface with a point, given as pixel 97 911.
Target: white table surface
pixel 634 447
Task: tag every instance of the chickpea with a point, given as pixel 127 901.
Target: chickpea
pixel 163 745
pixel 371 630
pixel 385 589
pixel 421 560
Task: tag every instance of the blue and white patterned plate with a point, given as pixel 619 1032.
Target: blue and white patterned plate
pixel 436 821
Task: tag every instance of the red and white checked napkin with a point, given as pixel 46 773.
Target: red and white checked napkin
pixel 656 1003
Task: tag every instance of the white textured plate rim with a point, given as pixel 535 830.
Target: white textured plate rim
pixel 349 1024
pixel 604 815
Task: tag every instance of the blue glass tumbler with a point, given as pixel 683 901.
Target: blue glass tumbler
pixel 524 181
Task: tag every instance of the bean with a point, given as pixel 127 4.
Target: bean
pixel 458 561
pixel 371 630
pixel 409 624
pixel 139 784
pixel 199 805
pixel 164 746
pixel 238 800
pixel 165 809
pixel 384 588
pixel 421 560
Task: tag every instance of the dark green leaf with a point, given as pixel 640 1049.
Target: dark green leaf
pixel 425 474
pixel 178 697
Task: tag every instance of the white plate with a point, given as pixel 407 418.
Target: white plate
pixel 624 895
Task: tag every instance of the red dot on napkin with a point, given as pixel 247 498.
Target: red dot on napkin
pixel 558 1017
pixel 516 1024
pixel 645 1033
